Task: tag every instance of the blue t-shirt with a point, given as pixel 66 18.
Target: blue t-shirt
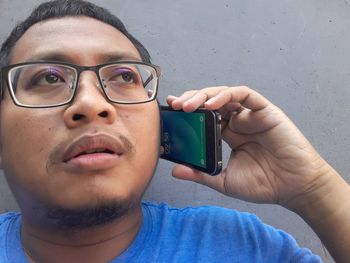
pixel 192 234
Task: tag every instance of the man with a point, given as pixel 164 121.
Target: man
pixel 79 131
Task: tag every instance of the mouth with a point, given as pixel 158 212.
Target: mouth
pixel 95 152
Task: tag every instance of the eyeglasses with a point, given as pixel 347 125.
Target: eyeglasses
pixel 51 84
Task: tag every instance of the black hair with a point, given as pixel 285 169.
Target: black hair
pixel 64 8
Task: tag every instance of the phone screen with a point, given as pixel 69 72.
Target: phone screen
pixel 184 137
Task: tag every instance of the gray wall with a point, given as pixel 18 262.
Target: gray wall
pixel 294 52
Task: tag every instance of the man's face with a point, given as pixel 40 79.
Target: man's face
pixel 47 154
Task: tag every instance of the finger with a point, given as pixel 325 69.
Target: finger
pixel 192 100
pixel 177 102
pixel 227 110
pixel 236 140
pixel 233 106
pixel 245 96
pixel 186 173
pixel 255 122
pixel 170 99
pixel 195 102
pixel 201 97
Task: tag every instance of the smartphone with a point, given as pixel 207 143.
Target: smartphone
pixel 192 138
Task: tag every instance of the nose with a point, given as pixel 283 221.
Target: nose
pixel 89 105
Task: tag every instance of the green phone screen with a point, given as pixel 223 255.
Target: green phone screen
pixel 184 137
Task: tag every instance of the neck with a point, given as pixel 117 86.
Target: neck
pixel 97 244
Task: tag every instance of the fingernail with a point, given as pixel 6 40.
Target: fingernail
pixel 210 101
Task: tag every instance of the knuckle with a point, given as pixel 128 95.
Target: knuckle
pixel 211 91
pixel 189 92
pixel 245 88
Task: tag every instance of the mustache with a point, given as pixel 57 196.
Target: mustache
pixel 56 155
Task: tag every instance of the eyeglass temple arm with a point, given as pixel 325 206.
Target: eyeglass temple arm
pixel 150 78
pixel 148 81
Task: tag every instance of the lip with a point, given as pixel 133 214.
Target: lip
pixel 94 152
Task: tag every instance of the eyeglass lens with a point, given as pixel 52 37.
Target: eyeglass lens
pixel 50 84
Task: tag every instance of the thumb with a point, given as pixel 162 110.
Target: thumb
pixel 190 174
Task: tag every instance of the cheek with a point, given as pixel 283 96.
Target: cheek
pixel 144 132
pixel 26 143
pixel 143 126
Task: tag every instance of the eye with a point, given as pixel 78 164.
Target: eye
pixel 123 75
pixel 127 76
pixel 52 78
pixel 47 77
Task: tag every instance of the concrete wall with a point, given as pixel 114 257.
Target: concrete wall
pixel 294 52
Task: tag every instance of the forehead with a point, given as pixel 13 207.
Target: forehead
pixel 82 39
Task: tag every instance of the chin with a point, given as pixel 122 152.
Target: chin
pixel 94 213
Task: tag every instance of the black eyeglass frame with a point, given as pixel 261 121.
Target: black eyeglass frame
pixel 78 69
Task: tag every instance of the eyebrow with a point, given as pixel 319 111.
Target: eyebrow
pixel 105 58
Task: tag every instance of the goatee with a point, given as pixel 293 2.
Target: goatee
pixel 86 217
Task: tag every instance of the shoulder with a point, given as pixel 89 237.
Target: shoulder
pixel 209 221
pixel 8 217
pixel 9 220
pixel 10 236
pixel 230 232
pixel 201 213
pixel 188 210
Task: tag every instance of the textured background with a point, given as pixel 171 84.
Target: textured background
pixel 294 52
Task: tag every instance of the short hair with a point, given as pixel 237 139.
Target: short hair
pixel 66 8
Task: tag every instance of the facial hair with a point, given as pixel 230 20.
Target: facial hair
pixel 100 213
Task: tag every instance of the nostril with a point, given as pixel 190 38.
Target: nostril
pixel 103 114
pixel 77 117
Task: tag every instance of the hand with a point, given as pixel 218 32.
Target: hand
pixel 271 161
